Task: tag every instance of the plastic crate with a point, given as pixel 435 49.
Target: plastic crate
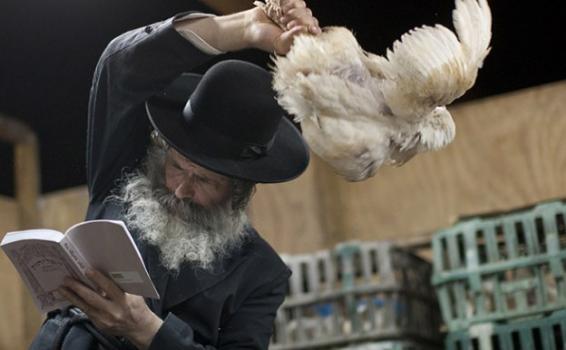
pixel 502 266
pixel 545 333
pixel 357 292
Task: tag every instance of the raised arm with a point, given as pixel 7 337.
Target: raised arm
pixel 252 29
pixel 140 63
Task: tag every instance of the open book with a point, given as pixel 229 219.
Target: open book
pixel 44 257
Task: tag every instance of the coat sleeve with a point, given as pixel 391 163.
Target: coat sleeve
pixel 133 67
pixel 250 327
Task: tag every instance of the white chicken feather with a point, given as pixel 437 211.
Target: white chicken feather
pixel 359 110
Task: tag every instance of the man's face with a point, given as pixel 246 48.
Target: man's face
pixel 184 210
pixel 187 180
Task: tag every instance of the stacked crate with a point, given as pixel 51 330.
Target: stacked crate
pixel 500 279
pixel 371 295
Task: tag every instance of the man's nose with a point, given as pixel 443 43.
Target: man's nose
pixel 185 189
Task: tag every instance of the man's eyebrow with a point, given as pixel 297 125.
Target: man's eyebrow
pixel 201 177
pixel 176 164
pixel 198 176
pixel 217 182
pixel 208 179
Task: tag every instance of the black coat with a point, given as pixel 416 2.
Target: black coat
pixel 232 307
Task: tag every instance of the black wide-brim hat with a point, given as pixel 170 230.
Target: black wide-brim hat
pixel 229 121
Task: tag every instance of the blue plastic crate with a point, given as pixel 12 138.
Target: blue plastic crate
pixel 358 292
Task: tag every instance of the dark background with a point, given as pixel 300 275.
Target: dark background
pixel 48 51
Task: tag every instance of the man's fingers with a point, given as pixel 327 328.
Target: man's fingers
pixel 304 14
pixel 105 284
pixel 315 29
pixel 284 42
pixel 74 299
pixel 293 4
pixel 292 24
pixel 315 20
pixel 86 295
pixel 299 12
pixel 300 17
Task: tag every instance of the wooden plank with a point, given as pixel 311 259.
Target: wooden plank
pixel 27 189
pixel 12 331
pixel 27 182
pixel 62 209
pixel 26 178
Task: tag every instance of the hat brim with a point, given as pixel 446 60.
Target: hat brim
pixel 287 158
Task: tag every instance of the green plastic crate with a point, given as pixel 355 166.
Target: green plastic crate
pixel 358 292
pixel 392 345
pixel 543 333
pixel 501 266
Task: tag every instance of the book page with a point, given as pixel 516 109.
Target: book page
pixel 79 261
pixel 40 234
pixel 42 264
pixel 108 246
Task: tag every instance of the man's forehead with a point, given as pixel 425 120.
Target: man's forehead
pixel 188 164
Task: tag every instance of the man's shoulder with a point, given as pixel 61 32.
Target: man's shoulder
pixel 260 252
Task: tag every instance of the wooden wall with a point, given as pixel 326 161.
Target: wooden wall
pixel 508 152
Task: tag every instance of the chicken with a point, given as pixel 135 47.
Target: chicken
pixel 359 110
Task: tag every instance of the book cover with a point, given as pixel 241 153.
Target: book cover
pixel 44 257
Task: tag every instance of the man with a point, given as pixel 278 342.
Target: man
pixel 214 137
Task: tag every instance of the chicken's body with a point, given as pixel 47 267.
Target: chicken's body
pixel 359 111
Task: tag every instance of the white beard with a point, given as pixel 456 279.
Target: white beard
pixel 182 230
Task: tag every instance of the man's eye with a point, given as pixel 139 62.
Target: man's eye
pixel 204 180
